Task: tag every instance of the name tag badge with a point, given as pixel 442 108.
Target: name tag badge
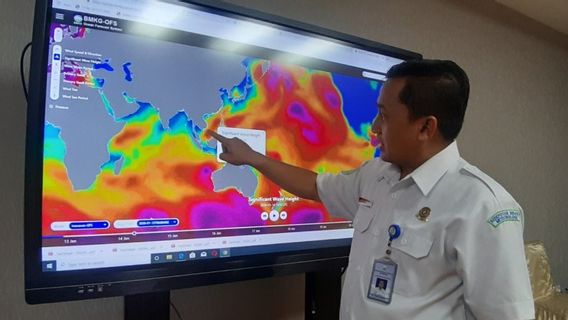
pixel 382 280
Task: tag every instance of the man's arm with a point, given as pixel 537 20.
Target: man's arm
pixel 492 263
pixel 295 180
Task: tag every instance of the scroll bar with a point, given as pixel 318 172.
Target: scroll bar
pixel 55 72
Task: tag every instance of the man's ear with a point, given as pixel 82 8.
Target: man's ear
pixel 428 129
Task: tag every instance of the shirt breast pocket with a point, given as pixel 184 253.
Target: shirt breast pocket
pixel 363 219
pixel 411 253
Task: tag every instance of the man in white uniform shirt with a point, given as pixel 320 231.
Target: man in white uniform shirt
pixel 455 237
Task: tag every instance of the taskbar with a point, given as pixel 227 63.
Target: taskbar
pixel 134 236
pixel 79 257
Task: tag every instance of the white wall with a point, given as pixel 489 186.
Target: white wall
pixel 515 130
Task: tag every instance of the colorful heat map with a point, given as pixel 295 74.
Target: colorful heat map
pixel 313 119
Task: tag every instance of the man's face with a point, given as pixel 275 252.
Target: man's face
pixel 396 132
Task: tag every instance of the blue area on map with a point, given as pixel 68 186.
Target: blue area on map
pixel 179 122
pixel 238 103
pixel 99 82
pixel 359 100
pixel 103 65
pixel 127 72
pixel 110 110
pixel 114 158
pixel 51 132
pixel 142 108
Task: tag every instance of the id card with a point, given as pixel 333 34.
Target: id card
pixel 382 280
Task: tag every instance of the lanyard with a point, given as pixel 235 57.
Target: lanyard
pixel 394 233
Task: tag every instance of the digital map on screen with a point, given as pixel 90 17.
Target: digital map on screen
pixel 125 140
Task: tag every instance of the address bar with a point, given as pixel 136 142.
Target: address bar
pixel 119 5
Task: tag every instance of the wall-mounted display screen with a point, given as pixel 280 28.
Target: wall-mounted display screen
pixel 128 175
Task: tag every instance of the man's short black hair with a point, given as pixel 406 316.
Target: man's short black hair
pixel 438 88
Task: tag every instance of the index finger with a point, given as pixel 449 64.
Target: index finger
pixel 217 136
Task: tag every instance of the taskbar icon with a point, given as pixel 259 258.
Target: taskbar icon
pixel 181 256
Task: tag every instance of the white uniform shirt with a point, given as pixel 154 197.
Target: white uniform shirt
pixel 466 262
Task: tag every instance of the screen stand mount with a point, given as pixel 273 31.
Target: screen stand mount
pixel 323 294
pixel 147 306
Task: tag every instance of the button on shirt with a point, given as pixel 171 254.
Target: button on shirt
pixel 465 260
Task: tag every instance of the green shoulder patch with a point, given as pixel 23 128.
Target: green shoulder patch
pixel 509 215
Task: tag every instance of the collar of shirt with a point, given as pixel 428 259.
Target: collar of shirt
pixel 429 173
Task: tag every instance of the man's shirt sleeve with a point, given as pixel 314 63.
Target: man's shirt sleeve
pixel 340 192
pixel 491 260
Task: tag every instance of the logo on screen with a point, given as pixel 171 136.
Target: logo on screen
pixel 99 20
pixel 78 19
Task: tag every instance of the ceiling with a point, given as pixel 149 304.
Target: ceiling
pixel 553 13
